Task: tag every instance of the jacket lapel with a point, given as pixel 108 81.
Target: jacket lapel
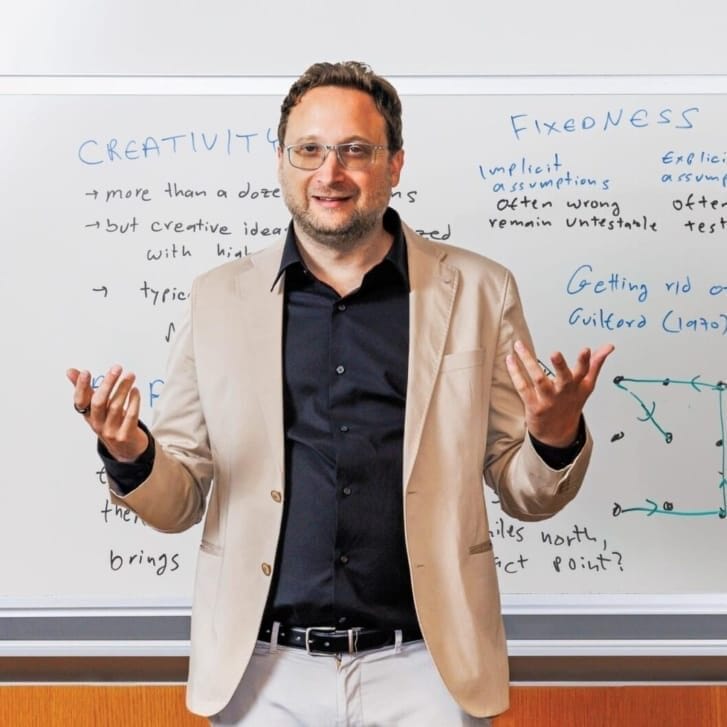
pixel 263 316
pixel 433 285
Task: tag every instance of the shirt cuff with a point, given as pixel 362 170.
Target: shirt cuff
pixel 559 457
pixel 129 475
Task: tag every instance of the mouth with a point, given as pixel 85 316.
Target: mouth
pixel 330 200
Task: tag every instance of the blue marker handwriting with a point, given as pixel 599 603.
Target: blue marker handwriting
pixel 640 118
pixel 228 142
pixel 694 167
pixel 525 174
pixel 587 282
pixel 612 282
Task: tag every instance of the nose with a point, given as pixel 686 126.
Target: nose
pixel 331 169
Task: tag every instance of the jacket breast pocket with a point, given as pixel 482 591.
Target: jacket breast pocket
pixel 463 360
pixel 460 406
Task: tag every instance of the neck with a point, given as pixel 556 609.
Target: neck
pixel 343 269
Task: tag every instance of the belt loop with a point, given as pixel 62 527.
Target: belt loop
pixel 398 638
pixel 274 637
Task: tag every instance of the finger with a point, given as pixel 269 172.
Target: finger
pixel 604 352
pixel 583 364
pixel 516 373
pixel 533 369
pixel 83 390
pixel 99 400
pixel 520 381
pixel 131 416
pixel 116 406
pixel 597 361
pixel 563 374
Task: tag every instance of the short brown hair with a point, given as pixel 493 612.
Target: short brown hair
pixel 348 74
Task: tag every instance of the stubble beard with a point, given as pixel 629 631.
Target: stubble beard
pixel 341 236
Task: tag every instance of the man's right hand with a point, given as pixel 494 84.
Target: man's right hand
pixel 112 411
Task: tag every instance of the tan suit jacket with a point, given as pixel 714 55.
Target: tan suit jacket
pixel 220 419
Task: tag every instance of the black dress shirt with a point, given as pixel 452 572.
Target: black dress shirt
pixel 341 558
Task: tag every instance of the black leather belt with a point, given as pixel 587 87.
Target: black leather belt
pixel 329 640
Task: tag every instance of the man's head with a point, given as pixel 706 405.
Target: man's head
pixel 348 74
pixel 340 153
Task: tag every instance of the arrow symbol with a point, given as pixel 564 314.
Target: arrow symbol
pixel 655 507
pixel 93 194
pixel 103 289
pixel 170 330
pixel 94 224
pixel 649 414
pixel 694 383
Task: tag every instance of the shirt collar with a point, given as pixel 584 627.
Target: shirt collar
pixel 396 256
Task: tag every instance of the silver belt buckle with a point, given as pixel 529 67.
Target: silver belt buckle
pixel 353 640
pixel 308 648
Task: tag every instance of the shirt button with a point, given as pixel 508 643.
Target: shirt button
pixel 276 495
pixel 344 559
pixel 343 428
pixel 347 491
pixel 340 369
pixel 267 570
pixel 341 306
pixel 342 620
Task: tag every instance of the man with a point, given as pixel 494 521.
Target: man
pixel 345 391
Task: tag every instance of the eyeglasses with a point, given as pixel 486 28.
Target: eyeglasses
pixel 354 155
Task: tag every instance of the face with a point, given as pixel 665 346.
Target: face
pixel 332 205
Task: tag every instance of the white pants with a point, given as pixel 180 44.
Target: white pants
pixel 390 687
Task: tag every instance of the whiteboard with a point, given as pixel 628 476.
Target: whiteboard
pixel 611 211
pixel 408 37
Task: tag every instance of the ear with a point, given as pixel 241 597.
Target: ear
pixel 395 164
pixel 281 160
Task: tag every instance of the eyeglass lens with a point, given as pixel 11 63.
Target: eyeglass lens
pixel 353 156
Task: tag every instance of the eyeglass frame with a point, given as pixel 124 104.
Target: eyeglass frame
pixel 375 148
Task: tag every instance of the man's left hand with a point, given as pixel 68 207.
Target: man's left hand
pixel 553 404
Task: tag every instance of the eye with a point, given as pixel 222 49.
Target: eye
pixel 309 150
pixel 356 149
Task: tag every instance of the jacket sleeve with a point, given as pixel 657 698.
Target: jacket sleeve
pixel 527 487
pixel 172 498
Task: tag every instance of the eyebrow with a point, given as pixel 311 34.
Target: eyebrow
pixel 347 140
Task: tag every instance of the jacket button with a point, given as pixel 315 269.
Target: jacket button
pixel 267 570
pixel 276 495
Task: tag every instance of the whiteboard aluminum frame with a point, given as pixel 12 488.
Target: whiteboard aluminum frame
pixel 406 85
